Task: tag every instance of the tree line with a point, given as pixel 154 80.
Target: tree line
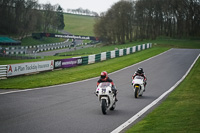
pixel 22 17
pixel 148 19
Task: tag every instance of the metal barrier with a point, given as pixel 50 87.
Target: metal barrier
pixel 3 71
pixel 15 50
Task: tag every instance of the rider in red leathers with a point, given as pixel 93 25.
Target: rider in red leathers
pixel 104 78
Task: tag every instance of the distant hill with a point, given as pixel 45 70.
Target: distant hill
pixel 79 25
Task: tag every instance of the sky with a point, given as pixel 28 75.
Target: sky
pixel 93 5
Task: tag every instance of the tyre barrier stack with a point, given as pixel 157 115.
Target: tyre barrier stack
pixel 35 67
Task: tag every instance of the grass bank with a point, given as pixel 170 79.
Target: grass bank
pixel 77 73
pixel 179 113
pixel 79 25
pixel 29 41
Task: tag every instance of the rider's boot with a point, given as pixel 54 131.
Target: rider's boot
pixel 115 94
pixel 144 86
pixel 116 99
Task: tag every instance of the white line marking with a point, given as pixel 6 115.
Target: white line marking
pixel 139 114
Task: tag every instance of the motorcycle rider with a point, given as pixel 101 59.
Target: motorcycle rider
pixel 140 72
pixel 104 78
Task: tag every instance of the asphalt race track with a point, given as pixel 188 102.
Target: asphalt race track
pixel 73 108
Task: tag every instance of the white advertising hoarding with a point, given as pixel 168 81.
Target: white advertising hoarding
pixel 24 68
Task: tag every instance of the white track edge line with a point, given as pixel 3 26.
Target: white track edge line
pixel 139 114
pixel 9 92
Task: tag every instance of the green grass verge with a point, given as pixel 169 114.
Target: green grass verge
pixel 77 73
pixel 178 43
pixel 179 113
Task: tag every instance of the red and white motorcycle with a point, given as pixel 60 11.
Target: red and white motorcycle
pixel 138 86
pixel 106 97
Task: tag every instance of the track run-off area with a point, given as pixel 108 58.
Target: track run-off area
pixel 74 108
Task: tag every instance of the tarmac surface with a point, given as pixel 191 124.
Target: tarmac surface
pixel 73 107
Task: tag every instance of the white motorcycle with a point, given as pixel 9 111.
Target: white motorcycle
pixel 138 86
pixel 106 97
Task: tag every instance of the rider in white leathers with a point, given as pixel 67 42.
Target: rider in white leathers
pixel 140 72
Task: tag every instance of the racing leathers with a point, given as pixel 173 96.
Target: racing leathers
pixel 141 74
pixel 113 86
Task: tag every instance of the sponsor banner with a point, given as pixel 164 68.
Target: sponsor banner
pixel 25 68
pixel 75 37
pixel 65 63
pixel 39 35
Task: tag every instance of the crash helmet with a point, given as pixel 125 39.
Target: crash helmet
pixel 140 70
pixel 104 75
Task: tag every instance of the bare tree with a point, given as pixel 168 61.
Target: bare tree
pixel 116 24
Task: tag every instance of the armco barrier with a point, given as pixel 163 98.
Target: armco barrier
pixel 38 48
pixel 85 60
pixel 121 52
pixel 128 51
pixel 124 51
pixel 103 56
pixel 3 71
pixel 108 55
pixel 117 53
pixel 112 54
pixel 97 57
pixel 91 59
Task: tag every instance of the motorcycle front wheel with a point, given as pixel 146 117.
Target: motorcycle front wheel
pixel 103 106
pixel 137 89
